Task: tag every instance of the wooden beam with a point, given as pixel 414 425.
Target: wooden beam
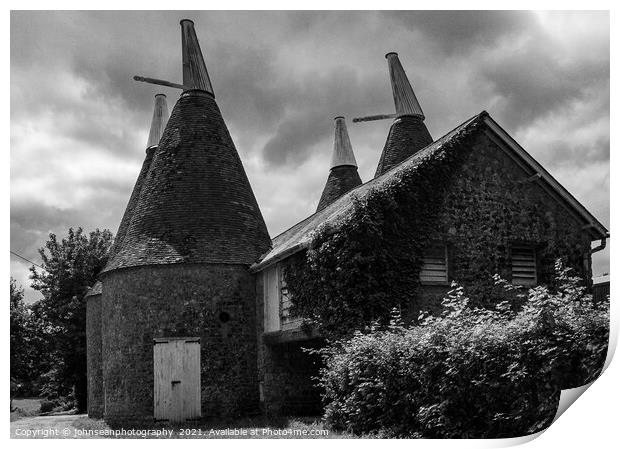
pixel 160 82
pixel 371 118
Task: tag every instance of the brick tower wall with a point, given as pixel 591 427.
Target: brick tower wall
pixel 215 302
pixel 93 356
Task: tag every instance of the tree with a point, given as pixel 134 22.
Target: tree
pixel 19 338
pixel 71 267
pixel 29 354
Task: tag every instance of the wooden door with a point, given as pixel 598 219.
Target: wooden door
pixel 176 368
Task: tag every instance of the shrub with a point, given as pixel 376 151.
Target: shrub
pixel 470 372
pixel 47 406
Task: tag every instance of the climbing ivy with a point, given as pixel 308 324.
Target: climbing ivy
pixel 355 273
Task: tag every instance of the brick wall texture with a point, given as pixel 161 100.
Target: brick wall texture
pixel 93 356
pixel 185 300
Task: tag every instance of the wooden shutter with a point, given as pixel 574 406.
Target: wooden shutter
pixel 523 266
pixel 176 369
pixel 435 265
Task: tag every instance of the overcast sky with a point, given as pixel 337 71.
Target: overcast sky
pixel 79 123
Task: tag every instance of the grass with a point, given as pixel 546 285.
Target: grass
pixel 251 427
pixel 24 407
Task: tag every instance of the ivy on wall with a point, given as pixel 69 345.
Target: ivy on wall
pixel 355 273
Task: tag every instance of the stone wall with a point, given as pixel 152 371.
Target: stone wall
pixel 213 302
pixel 492 205
pixel 93 356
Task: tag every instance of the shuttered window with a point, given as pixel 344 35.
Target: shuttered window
pixel 523 265
pixel 435 265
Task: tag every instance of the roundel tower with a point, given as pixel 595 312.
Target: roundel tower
pixel 178 313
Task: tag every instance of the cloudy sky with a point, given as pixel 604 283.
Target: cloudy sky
pixel 79 123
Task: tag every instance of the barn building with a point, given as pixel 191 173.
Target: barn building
pixel 191 317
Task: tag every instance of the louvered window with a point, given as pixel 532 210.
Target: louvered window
pixel 523 265
pixel 435 265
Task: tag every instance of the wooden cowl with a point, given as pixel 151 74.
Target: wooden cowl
pixel 196 204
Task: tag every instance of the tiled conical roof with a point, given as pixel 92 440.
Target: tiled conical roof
pixel 158 123
pixel 408 134
pixel 196 204
pixel 343 174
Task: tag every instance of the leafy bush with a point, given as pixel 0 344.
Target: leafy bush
pixel 470 372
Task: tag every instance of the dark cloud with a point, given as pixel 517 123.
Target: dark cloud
pixel 566 153
pixel 534 83
pixel 79 121
pixel 458 31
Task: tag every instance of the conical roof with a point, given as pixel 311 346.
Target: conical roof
pixel 343 175
pixel 408 134
pixel 158 123
pixel 196 204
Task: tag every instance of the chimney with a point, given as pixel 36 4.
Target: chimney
pixel 195 75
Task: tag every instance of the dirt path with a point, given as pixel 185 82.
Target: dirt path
pixel 56 426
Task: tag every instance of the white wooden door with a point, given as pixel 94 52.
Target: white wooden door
pixel 176 368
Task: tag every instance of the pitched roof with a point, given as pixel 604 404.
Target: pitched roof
pixel 196 203
pixel 299 236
